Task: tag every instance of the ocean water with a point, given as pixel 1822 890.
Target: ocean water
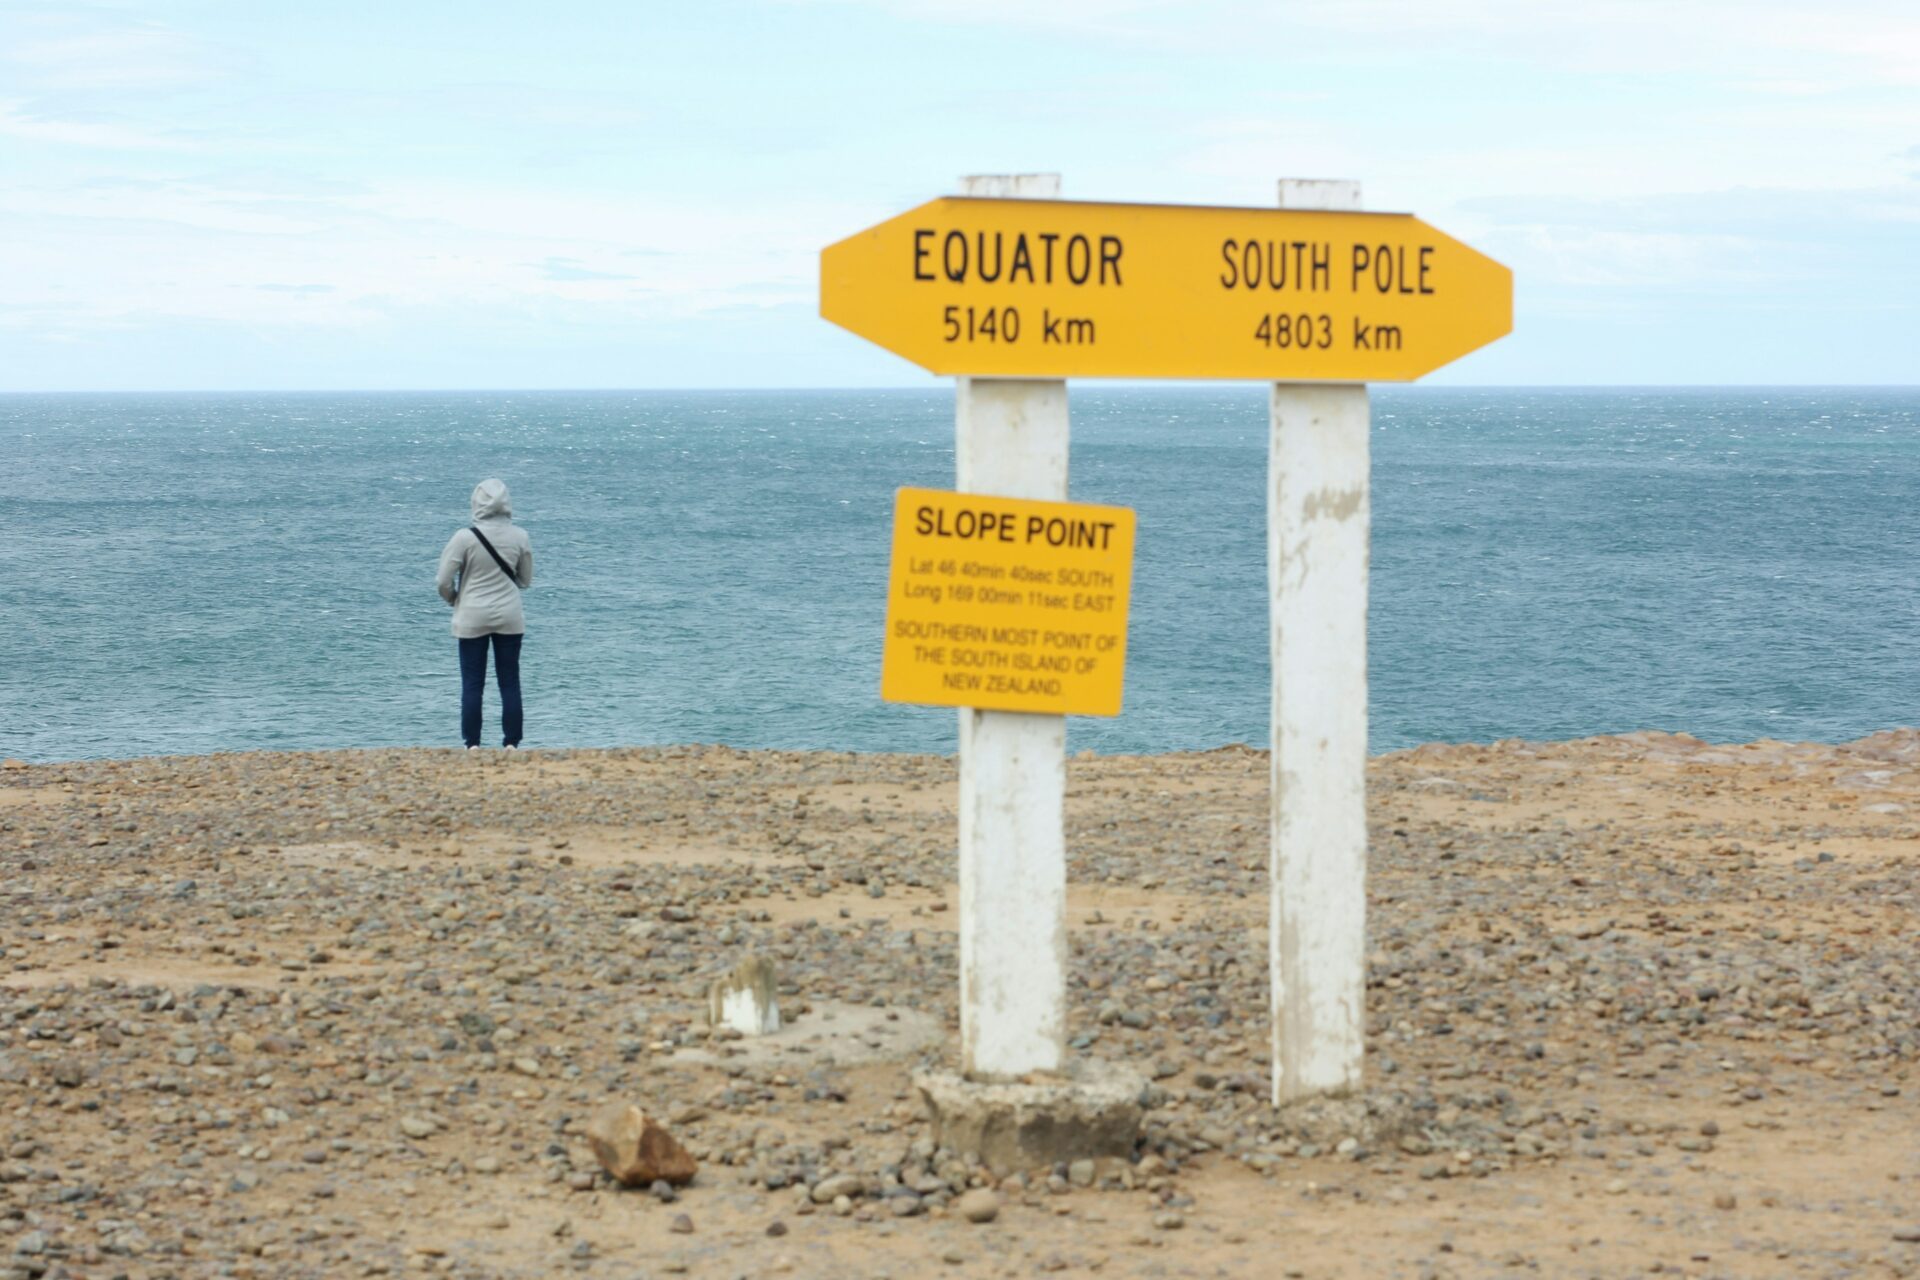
pixel 192 573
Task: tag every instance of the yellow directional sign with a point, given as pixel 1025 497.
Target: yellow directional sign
pixel 1058 289
pixel 1007 604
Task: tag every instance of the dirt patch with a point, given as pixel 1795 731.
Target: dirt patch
pixel 24 797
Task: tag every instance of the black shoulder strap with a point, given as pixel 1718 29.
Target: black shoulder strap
pixel 495 554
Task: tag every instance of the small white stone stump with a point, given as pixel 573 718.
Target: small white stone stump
pixel 746 1000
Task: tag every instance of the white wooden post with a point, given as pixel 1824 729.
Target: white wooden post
pixel 1011 440
pixel 1318 512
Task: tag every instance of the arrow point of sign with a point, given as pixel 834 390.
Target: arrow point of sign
pixel 849 270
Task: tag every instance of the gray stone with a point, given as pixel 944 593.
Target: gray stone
pixel 978 1205
pixel 827 1190
pixel 1092 1111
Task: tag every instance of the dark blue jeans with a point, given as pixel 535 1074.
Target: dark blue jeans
pixel 473 682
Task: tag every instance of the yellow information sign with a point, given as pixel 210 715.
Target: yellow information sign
pixel 1059 289
pixel 1007 604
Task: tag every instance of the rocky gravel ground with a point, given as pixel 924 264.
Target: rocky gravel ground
pixel 1636 1005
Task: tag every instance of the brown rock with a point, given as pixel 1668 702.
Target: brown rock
pixel 636 1149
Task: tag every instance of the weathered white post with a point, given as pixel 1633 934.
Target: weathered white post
pixel 1318 512
pixel 1011 440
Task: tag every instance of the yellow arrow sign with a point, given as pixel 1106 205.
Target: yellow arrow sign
pixel 1059 289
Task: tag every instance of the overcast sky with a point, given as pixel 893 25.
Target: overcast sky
pixel 235 194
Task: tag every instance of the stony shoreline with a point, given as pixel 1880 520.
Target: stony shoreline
pixel 1638 1003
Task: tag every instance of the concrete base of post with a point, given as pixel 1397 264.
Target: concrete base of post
pixel 1374 1120
pixel 1091 1112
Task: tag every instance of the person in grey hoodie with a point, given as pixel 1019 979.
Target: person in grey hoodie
pixel 482 573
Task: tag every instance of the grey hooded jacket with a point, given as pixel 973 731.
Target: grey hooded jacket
pixel 485 600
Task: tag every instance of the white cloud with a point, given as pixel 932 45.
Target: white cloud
pixel 16 122
pixel 1853 42
pixel 1839 44
pixel 1074 15
pixel 1642 261
pixel 99 253
pixel 82 51
pixel 1742 249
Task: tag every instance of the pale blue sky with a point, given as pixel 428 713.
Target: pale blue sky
pixel 237 194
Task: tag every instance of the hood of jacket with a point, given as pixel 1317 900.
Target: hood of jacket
pixel 490 498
